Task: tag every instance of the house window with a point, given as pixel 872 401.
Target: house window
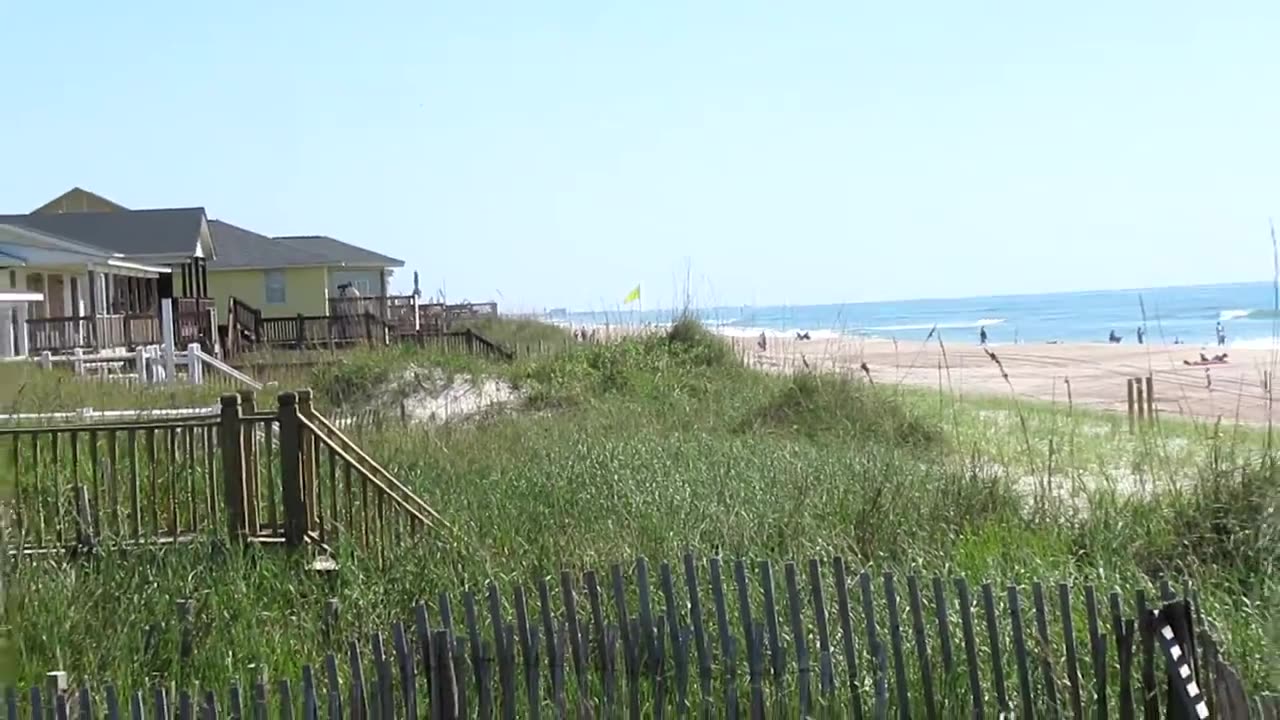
pixel 275 287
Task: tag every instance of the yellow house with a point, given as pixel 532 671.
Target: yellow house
pixel 290 275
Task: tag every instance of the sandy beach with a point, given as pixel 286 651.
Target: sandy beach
pixel 1095 372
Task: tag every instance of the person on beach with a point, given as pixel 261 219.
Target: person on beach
pixel 1113 338
pixel 1141 334
pixel 982 335
pixel 763 342
pixel 1222 334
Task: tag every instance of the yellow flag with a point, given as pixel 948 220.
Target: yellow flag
pixel 632 296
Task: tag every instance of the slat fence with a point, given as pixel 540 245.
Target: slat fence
pixel 713 639
pixel 284 475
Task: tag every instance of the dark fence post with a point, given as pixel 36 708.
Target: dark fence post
pixel 368 328
pixel 295 510
pixel 249 455
pixel 307 463
pixel 300 337
pixel 1174 629
pixel 233 465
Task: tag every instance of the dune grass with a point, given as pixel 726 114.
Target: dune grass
pixel 657 444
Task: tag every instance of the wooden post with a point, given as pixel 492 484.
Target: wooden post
pixel 211 334
pixel 300 338
pixel 249 452
pixel 368 328
pixel 195 364
pixel 1142 403
pixel 84 519
pixel 166 334
pixel 93 307
pixel 22 338
pixel 233 334
pixel 55 687
pixel 308 461
pixel 295 510
pixel 1151 399
pixel 140 363
pixel 233 466
pixel 1129 390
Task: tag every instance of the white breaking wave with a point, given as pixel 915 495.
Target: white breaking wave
pixel 960 325
pixel 1226 315
pixel 752 332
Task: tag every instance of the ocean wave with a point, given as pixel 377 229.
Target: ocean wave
pixel 752 332
pixel 959 325
pixel 1255 314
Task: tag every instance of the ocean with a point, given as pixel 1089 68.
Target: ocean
pixel 1184 314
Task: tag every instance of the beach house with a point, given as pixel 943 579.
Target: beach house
pixel 286 276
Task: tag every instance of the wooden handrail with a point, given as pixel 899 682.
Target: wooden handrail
pixel 331 430
pixel 122 426
pixel 328 442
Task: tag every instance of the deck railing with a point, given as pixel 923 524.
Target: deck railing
pixel 192 317
pixel 284 476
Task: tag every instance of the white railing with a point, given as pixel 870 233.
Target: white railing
pixel 149 364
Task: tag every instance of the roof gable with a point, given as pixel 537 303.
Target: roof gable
pixel 338 252
pixel 173 232
pixel 78 200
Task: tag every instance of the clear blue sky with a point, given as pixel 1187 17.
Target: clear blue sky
pixel 559 153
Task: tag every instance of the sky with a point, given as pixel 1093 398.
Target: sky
pixel 556 154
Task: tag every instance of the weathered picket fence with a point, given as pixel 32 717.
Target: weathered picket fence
pixel 821 643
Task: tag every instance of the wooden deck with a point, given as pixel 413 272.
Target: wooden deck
pixel 352 322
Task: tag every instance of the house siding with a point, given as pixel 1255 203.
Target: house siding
pixel 78 200
pixel 305 291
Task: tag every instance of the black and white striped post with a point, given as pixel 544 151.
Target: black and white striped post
pixel 1173 628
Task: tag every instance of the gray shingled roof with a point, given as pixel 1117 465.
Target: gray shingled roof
pixel 173 231
pixel 236 247
pixel 338 252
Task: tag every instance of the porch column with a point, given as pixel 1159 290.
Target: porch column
pixel 204 278
pixel 6 331
pixel 68 307
pixel 77 284
pixel 93 308
pixel 384 305
pixel 109 293
pixel 20 330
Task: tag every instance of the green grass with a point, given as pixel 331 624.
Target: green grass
pixel 654 445
pixel 518 334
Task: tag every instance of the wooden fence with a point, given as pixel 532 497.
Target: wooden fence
pixel 285 476
pixel 319 331
pixel 818 641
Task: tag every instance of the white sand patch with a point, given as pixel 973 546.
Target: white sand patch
pixel 429 396
pixel 459 399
